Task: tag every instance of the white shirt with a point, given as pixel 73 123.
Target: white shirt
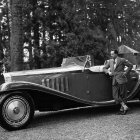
pixel 115 62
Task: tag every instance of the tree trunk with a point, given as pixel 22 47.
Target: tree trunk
pixel 8 22
pixel 16 40
pixel 36 38
pixel 30 55
pixel 1 47
pixel 114 36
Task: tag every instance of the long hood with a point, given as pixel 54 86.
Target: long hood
pixel 9 76
pixel 38 74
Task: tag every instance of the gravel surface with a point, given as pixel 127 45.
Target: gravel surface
pixel 84 124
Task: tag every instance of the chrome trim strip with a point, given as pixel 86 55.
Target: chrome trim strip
pixel 53 83
pixel 48 82
pixel 57 83
pixel 66 84
pixel 62 84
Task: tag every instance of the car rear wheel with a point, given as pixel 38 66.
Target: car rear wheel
pixel 16 111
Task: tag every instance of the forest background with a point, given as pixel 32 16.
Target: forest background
pixel 38 34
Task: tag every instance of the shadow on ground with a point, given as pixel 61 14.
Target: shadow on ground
pixel 42 119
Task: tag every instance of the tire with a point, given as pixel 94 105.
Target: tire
pixel 16 111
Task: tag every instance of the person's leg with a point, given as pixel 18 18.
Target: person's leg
pixel 119 94
pixel 116 96
pixel 123 96
pixel 115 90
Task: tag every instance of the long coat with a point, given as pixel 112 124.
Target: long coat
pixel 118 72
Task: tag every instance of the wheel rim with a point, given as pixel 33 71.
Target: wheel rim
pixel 16 111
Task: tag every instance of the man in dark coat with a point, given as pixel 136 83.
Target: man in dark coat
pixel 119 79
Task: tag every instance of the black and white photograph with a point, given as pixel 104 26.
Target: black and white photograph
pixel 69 69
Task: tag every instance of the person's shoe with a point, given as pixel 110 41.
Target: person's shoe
pixel 126 108
pixel 122 112
pixel 121 109
pixel 119 112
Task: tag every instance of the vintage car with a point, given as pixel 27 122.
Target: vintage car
pixel 69 86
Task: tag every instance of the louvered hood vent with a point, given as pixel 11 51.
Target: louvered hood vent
pixel 57 82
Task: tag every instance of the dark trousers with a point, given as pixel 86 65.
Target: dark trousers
pixel 120 93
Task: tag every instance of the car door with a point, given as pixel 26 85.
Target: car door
pixel 78 83
pixel 99 87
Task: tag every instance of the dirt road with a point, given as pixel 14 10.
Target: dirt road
pixel 84 124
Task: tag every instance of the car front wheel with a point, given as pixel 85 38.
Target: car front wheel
pixel 16 111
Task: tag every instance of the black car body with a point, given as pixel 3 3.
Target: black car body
pixel 52 89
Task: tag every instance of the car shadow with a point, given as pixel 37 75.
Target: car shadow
pixel 56 117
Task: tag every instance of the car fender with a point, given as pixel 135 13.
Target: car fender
pixel 22 86
pixel 136 91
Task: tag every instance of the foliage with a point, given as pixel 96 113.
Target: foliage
pixel 55 29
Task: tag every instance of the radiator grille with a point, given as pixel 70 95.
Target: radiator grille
pixel 59 83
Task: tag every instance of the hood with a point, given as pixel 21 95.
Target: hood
pixel 8 76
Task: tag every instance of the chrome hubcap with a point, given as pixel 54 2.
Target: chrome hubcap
pixel 16 110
